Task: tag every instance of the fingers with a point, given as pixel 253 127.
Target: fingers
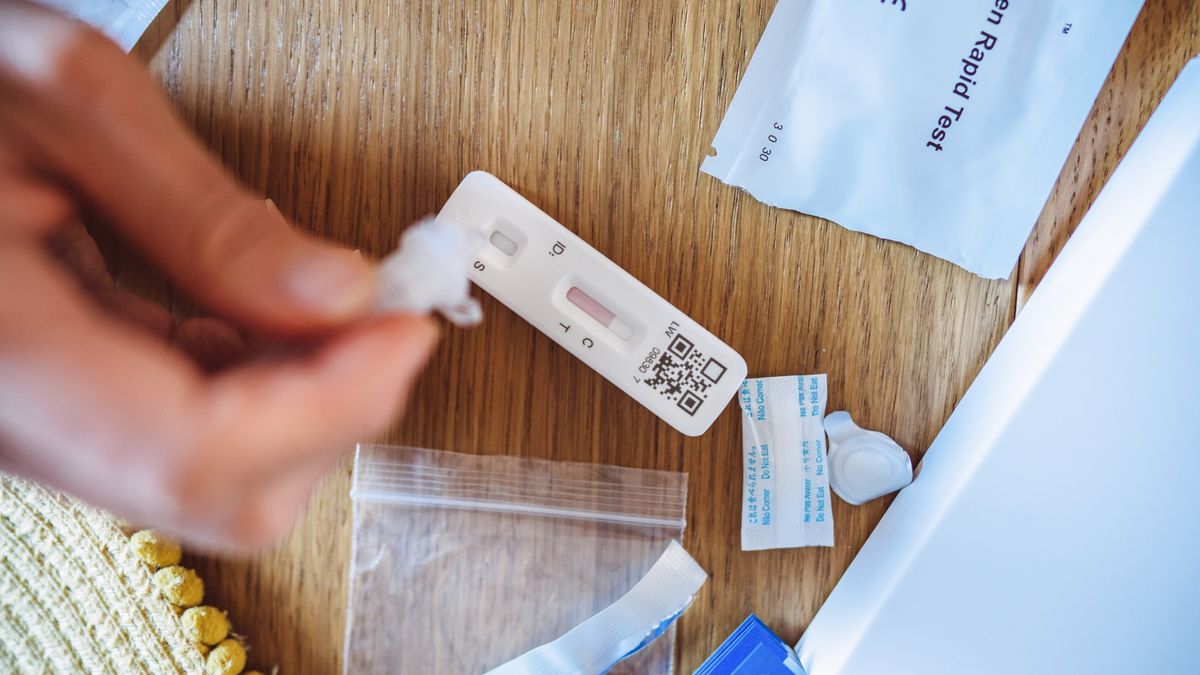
pixel 92 117
pixel 213 343
pixel 83 398
pixel 74 246
pixel 270 511
pixel 109 412
pixel 29 206
pixel 120 419
pixel 76 249
pixel 273 430
pixel 346 389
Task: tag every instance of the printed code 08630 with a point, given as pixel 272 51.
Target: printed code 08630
pixel 683 374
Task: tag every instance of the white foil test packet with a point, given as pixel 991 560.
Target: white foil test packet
pixel 943 125
pixel 785 486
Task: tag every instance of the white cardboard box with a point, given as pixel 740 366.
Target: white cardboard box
pixel 1054 526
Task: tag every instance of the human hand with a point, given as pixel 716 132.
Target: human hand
pixel 101 395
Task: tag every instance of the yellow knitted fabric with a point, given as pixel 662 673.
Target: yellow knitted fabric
pixel 74 597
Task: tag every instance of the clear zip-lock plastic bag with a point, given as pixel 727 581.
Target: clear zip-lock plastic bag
pixel 462 563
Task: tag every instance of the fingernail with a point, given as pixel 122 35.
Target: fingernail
pixel 332 283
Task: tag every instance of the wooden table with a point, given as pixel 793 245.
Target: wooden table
pixel 359 117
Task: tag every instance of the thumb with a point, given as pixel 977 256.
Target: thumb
pixel 239 256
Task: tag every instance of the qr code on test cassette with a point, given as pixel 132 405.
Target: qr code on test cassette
pixel 684 374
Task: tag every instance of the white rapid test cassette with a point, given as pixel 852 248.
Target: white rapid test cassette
pixel 594 309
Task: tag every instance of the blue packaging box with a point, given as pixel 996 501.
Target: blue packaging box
pixel 752 649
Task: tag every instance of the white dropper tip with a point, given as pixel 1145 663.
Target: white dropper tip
pixel 863 464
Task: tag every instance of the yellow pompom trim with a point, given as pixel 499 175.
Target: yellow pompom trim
pixel 183 588
pixel 227 658
pixel 155 549
pixel 205 624
pixel 179 585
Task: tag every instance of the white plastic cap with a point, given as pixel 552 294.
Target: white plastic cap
pixel 863 464
pixel 429 272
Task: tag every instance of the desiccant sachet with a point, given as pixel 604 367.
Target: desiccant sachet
pixel 785 483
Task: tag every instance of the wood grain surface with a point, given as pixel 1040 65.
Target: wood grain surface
pixel 359 117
